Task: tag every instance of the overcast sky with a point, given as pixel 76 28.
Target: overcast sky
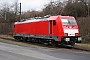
pixel 30 4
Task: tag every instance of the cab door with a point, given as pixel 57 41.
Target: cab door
pixel 50 27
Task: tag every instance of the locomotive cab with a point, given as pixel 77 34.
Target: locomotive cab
pixel 71 31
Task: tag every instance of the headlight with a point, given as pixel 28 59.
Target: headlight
pixel 67 39
pixel 79 38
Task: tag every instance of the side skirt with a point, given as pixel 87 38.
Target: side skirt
pixel 53 40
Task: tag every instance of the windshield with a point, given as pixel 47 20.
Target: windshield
pixel 68 22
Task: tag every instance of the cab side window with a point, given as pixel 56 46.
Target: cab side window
pixel 54 23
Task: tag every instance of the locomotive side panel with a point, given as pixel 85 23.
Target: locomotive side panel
pixel 38 28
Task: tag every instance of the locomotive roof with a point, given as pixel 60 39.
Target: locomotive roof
pixel 37 20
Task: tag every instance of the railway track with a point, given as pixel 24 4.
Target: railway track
pixel 12 39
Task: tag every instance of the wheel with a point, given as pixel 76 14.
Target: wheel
pixel 17 38
pixel 54 43
pixel 24 39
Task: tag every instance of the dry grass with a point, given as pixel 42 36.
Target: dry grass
pixel 77 45
pixel 83 46
pixel 18 43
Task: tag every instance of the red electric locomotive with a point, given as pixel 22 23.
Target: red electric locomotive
pixel 52 30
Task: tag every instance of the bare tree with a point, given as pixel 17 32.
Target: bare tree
pixel 15 7
pixel 76 9
pixel 5 8
pixel 54 7
pixel 9 12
